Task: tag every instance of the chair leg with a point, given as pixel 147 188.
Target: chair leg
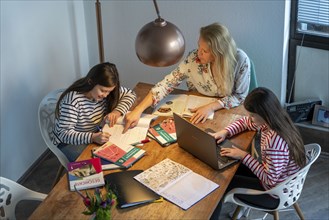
pixel 276 215
pixel 236 212
pixel 58 175
pixel 299 211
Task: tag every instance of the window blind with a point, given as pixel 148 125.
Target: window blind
pixel 313 17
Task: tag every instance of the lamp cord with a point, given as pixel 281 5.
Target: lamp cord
pixel 156 8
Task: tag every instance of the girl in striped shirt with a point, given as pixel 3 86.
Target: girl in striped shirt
pixel 282 148
pixel 88 102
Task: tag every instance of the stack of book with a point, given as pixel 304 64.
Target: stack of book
pixel 164 133
pixel 85 174
pixel 123 155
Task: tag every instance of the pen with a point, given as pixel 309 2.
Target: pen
pixel 99 129
pixel 141 142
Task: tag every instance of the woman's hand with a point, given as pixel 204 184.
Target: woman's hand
pixel 100 137
pixel 112 117
pixel 202 113
pixel 233 152
pixel 220 135
pixel 131 120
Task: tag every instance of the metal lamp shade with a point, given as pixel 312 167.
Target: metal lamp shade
pixel 159 44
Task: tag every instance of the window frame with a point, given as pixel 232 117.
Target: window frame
pixel 296 39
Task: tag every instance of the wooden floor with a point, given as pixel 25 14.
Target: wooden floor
pixel 314 200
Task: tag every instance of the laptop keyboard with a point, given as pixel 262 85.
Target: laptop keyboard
pixel 221 160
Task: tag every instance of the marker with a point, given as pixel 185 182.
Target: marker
pixel 141 142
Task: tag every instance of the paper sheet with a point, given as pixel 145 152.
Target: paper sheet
pixel 133 135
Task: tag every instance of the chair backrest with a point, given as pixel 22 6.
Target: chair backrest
pixel 253 79
pixel 46 115
pixel 290 190
pixel 11 193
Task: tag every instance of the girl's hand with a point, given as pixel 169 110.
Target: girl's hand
pixel 112 118
pixel 220 135
pixel 233 152
pixel 100 137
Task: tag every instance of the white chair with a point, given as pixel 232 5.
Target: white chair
pixel 11 193
pixel 46 115
pixel 288 191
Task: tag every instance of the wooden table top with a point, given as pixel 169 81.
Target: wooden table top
pixel 64 204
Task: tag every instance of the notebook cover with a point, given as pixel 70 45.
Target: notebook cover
pixel 129 191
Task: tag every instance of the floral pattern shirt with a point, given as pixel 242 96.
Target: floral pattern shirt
pixel 198 77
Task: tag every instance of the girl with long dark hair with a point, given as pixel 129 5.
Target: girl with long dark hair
pixel 282 152
pixel 83 106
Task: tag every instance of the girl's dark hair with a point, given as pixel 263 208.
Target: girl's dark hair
pixel 104 74
pixel 263 102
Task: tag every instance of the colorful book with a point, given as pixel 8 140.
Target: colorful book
pixel 106 165
pixel 85 174
pixel 176 183
pixel 129 191
pixel 123 155
pixel 164 133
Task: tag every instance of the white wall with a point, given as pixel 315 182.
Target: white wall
pixel 44 46
pixel 40 51
pixel 257 26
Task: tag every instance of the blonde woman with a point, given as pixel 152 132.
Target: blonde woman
pixel 217 68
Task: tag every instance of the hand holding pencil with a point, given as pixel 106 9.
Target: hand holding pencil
pixel 100 137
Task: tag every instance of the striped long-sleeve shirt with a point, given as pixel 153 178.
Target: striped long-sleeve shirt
pixel 79 116
pixel 276 165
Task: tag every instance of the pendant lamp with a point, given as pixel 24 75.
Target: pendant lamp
pixel 159 43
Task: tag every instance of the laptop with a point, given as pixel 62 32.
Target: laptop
pixel 201 144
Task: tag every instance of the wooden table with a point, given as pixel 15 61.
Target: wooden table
pixel 64 204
